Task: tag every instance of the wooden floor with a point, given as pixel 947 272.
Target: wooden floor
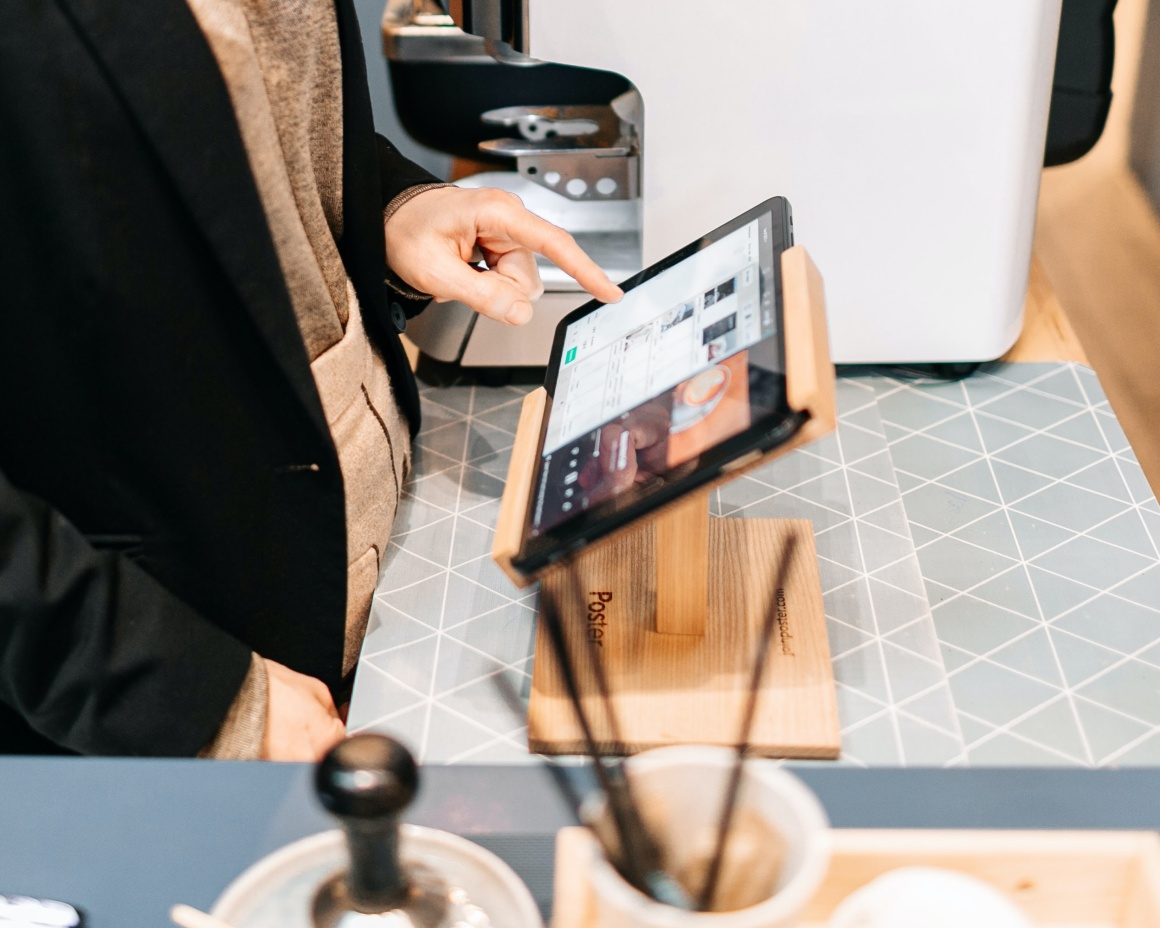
pixel 1099 244
pixel 1098 248
pixel 1048 334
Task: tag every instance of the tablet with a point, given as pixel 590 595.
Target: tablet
pixel 656 395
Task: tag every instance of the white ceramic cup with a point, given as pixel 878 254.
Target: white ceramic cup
pixel 690 782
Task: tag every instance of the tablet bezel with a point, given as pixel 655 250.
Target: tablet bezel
pixel 765 434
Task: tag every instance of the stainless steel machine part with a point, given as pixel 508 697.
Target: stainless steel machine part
pixel 578 166
pixel 501 21
pixel 582 152
pixel 419 30
pixel 537 123
pixel 429 903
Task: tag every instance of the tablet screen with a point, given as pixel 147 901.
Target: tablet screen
pixel 648 388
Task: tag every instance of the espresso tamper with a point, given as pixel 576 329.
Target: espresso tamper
pixel 366 782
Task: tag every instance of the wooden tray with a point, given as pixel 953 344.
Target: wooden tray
pixel 1078 879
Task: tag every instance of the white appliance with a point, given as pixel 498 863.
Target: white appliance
pixel 908 135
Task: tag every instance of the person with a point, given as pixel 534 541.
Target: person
pixel 207 259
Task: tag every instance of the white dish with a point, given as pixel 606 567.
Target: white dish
pixel 278 890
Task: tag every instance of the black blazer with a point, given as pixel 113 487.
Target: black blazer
pixel 170 496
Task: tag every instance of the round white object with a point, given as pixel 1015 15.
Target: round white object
pixel 926 897
pixel 692 778
pixel 606 186
pixel 552 178
pixel 278 891
pixel 577 186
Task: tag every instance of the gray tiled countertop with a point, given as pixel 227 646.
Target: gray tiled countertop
pixel 988 553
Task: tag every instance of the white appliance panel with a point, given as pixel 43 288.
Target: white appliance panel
pixel 907 134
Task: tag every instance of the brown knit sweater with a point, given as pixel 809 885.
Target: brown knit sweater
pixel 281 63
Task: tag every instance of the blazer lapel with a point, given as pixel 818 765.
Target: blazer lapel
pixel 156 56
pixel 362 247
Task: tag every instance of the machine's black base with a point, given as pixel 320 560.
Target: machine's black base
pixel 946 371
pixel 439 103
pixel 435 373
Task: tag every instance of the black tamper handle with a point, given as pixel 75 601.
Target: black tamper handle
pixel 366 782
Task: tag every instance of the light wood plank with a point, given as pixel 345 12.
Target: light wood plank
pixel 682 564
pixel 1055 878
pixel 809 370
pixel 673 689
pixel 1143 906
pixel 1098 240
pixel 517 492
pixel 1090 879
pixel 1100 244
pixel 1047 332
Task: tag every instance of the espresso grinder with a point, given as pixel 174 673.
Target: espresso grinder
pixel 908 137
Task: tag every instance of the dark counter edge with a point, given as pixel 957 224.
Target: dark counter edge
pixel 125 839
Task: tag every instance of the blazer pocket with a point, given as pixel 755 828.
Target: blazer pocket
pixel 114 541
pixel 130 545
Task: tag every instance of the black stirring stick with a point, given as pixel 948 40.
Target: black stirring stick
pixel 568 791
pixel 550 616
pixel 705 901
pixel 639 855
pixel 659 884
pixel 564 785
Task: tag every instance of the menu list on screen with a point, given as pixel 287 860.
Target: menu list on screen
pixel 648 383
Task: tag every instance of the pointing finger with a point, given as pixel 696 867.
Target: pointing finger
pixel 559 247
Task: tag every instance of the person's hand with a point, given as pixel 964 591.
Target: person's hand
pixel 301 721
pixel 433 239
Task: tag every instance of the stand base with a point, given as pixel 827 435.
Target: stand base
pixel 676 689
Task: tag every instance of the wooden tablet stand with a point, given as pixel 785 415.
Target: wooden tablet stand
pixel 676 602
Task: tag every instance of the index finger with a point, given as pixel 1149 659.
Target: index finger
pixel 529 230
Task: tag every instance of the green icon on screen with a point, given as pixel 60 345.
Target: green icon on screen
pixel 570 356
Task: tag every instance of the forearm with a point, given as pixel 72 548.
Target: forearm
pixel 397 173
pixel 95 654
pixel 394 281
pixel 241 734
pixel 401 180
